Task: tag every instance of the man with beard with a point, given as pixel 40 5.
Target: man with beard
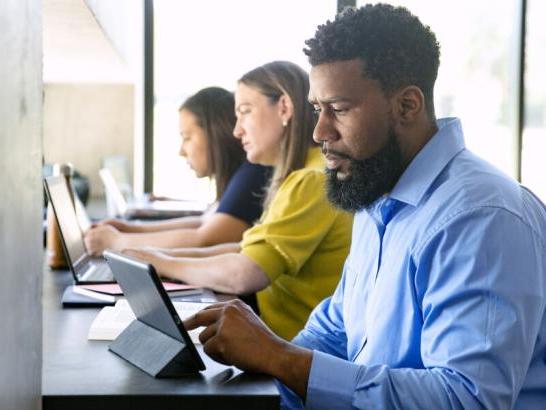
pixel 443 295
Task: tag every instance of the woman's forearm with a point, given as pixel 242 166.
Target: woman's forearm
pixel 204 252
pixel 217 229
pixel 173 238
pixel 189 222
pixel 228 273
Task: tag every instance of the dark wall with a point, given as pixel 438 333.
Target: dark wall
pixel 20 204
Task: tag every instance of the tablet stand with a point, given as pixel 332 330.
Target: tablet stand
pixel 153 351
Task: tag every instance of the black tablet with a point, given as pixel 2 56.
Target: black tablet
pixel 156 341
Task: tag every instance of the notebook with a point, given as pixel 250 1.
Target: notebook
pixel 174 289
pixel 112 320
pixel 84 267
pixel 143 208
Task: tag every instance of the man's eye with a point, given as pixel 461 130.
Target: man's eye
pixel 316 110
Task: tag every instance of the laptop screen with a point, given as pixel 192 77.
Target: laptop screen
pixel 114 197
pixel 71 234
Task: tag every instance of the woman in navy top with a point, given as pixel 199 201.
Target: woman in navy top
pixel 207 120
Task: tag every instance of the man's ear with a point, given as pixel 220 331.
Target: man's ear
pixel 409 104
pixel 286 108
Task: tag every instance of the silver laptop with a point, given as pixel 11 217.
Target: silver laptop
pixel 85 268
pixel 143 208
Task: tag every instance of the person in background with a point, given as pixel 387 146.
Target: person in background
pixel 442 302
pixel 207 119
pixel 293 256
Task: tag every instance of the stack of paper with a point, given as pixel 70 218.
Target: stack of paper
pixel 112 320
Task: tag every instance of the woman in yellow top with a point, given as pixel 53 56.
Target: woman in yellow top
pixel 293 256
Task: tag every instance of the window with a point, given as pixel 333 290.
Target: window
pixel 213 43
pixel 534 135
pixel 478 62
pixel 203 44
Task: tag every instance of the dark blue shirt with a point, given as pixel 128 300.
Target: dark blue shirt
pixel 245 192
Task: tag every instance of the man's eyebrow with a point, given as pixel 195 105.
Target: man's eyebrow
pixel 331 100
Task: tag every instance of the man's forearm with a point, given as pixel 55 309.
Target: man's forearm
pixel 291 364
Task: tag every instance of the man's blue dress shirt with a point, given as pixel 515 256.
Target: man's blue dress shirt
pixel 442 300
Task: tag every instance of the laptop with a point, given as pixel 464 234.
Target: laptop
pixel 85 268
pixel 156 341
pixel 143 208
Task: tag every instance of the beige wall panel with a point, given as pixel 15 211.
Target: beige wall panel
pixel 84 122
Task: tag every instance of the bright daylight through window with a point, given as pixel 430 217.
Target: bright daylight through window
pixel 201 44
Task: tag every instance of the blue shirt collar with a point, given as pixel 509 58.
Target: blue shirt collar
pixel 429 162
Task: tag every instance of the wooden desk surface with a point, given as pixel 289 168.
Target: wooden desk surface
pixel 83 374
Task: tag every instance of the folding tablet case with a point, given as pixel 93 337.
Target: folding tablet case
pixel 156 340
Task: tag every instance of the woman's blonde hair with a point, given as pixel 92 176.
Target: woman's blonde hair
pixel 285 78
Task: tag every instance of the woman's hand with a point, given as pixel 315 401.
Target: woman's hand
pixel 102 237
pixel 119 224
pixel 165 265
pixel 152 256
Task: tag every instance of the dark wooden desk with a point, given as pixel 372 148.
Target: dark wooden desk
pixel 82 374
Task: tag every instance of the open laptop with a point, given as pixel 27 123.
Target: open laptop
pixel 143 208
pixel 85 268
pixel 156 341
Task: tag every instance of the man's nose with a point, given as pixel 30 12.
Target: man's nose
pixel 324 129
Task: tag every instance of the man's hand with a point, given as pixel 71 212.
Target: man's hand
pixel 235 335
pixel 102 237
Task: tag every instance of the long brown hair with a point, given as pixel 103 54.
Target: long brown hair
pixel 285 78
pixel 214 109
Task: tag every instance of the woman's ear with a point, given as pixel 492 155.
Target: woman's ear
pixel 286 108
pixel 409 104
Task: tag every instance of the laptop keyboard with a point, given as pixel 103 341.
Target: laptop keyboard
pixel 96 272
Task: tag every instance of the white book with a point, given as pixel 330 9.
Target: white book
pixel 112 320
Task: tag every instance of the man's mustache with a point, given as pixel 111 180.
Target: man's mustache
pixel 326 151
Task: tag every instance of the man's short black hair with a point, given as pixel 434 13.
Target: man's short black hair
pixel 396 49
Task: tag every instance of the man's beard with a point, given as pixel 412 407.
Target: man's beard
pixel 368 179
